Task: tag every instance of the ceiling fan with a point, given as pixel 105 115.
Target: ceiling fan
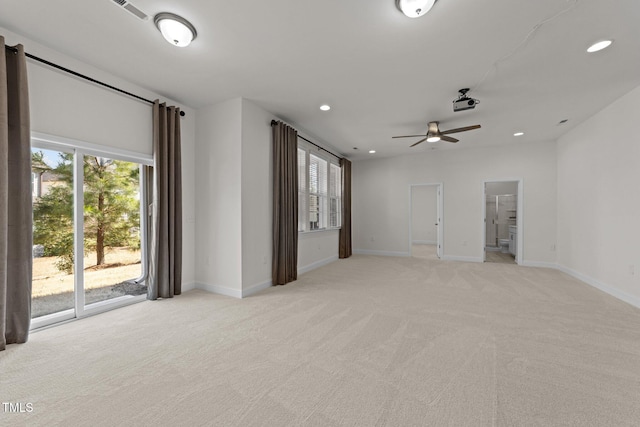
pixel 434 134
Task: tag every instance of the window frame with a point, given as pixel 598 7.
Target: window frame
pixel 79 149
pixel 337 197
pixel 305 193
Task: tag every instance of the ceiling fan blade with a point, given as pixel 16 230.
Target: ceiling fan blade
pixel 422 140
pixel 456 130
pixel 407 136
pixel 448 138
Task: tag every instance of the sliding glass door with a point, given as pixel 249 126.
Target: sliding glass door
pixel 53 233
pixel 112 243
pixel 89 229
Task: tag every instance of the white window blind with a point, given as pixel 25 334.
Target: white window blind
pixel 317 193
pixel 303 190
pixel 335 195
pixel 319 189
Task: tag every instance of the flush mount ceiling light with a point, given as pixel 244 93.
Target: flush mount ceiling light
pixel 325 107
pixel 414 8
pixel 175 29
pixel 518 134
pixel 372 151
pixel 603 44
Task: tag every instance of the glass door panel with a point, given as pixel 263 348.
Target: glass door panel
pixel 112 242
pixel 53 269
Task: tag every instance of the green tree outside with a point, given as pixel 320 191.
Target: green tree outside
pixel 111 208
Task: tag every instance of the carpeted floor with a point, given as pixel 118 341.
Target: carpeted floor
pixel 368 341
pixel 428 252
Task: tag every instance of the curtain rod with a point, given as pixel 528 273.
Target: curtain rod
pixel 82 76
pixel 273 123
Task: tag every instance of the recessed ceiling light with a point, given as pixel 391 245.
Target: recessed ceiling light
pixel 518 134
pixel 414 8
pixel 325 107
pixel 372 151
pixel 433 139
pixel 599 46
pixel 175 29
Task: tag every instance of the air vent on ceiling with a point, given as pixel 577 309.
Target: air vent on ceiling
pixel 131 9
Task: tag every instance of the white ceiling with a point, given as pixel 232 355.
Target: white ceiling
pixel 382 73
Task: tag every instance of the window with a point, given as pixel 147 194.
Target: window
pixel 319 189
pixel 89 229
pixel 302 189
pixel 335 196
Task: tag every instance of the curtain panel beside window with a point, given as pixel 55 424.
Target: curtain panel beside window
pixel 345 249
pixel 16 236
pixel 165 256
pixel 285 204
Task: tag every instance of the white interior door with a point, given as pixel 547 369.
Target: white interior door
pixel 426 226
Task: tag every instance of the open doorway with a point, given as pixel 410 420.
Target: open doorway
pixel 425 224
pixel 502 207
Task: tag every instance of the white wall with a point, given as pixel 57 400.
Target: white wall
pixel 424 214
pixel 257 196
pixel 599 201
pixel 316 248
pixel 381 198
pixel 234 205
pixel 219 202
pixel 63 105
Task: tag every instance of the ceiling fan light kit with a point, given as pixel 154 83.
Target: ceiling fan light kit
pixel 434 134
pixel 414 8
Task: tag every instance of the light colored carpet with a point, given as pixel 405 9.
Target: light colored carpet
pixel 368 341
pixel 424 251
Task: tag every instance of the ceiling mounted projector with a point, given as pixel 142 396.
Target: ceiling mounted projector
pixel 464 102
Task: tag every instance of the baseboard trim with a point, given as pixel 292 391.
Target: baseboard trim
pixel 220 290
pixel 380 253
pixel 188 286
pixel 461 258
pixel 254 289
pixel 623 296
pixel 317 264
pixel 424 242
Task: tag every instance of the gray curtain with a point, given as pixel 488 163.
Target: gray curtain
pixel 15 198
pixel 285 204
pixel 345 231
pixel 165 255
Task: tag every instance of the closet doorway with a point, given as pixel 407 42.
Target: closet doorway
pixel 502 221
pixel 426 221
